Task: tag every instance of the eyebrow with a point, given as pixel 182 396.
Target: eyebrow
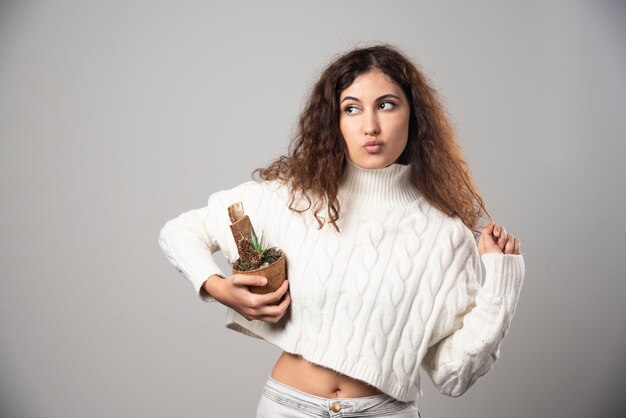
pixel 384 96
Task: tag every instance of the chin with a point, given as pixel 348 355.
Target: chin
pixel 378 163
pixel 372 162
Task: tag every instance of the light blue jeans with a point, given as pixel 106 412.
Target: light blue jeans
pixel 282 401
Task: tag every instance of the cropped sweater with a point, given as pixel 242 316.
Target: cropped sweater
pixel 399 287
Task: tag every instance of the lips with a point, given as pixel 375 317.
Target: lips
pixel 373 147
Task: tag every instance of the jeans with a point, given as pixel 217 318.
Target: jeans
pixel 282 401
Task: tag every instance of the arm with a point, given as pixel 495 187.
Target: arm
pixel 189 246
pixel 474 319
pixel 210 287
pixel 190 239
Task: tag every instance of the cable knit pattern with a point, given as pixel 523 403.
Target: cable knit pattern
pixel 399 287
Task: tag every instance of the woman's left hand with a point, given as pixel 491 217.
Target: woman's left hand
pixel 495 239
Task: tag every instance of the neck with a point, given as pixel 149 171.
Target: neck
pixel 377 189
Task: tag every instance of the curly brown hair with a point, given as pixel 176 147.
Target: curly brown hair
pixel 316 155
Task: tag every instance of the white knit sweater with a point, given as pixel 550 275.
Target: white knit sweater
pixel 398 287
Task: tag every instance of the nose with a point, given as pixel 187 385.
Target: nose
pixel 371 126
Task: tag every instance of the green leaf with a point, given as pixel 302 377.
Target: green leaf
pixel 255 243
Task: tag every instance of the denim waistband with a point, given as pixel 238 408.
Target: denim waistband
pixel 361 406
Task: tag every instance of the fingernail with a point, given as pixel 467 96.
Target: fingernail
pixel 263 281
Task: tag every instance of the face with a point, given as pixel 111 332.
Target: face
pixel 374 110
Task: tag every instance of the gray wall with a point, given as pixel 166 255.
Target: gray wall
pixel 117 116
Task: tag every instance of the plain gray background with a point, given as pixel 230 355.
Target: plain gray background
pixel 117 116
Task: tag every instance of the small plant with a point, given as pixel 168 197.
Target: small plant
pixel 254 258
pixel 256 244
pixel 254 254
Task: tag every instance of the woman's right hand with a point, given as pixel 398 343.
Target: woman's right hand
pixel 233 292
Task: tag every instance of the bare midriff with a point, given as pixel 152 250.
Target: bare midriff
pixel 295 371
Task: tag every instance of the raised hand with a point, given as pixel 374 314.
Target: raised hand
pixel 495 239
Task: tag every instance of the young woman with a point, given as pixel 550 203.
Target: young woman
pixel 390 279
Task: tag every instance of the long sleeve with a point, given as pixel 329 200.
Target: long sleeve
pixel 190 239
pixel 189 246
pixel 474 318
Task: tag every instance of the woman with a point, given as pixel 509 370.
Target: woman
pixel 391 280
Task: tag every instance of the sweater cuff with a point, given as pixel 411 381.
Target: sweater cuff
pixel 504 274
pixel 201 276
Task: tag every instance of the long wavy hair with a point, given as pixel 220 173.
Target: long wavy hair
pixel 316 155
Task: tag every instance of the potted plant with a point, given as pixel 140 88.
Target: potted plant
pixel 254 259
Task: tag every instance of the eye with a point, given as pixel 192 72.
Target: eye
pixel 391 105
pixel 348 109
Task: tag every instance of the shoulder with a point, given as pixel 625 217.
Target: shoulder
pixel 450 230
pixel 251 193
pixel 454 236
pixel 243 189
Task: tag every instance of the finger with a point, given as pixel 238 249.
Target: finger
pixel 502 239
pixel 510 245
pixel 284 294
pixel 518 244
pixel 282 307
pixel 488 229
pixel 496 230
pixel 249 280
pixel 273 297
pixel 269 319
pixel 276 311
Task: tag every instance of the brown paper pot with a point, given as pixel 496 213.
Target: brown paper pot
pixel 276 274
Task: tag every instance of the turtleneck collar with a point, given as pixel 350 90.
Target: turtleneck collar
pixel 377 188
